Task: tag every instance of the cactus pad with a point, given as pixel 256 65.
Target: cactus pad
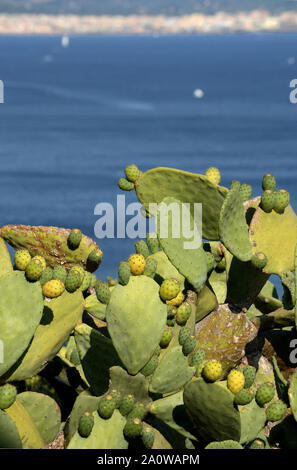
pixel 134 310
pixel 233 227
pixel 158 183
pixel 275 235
pixel 49 242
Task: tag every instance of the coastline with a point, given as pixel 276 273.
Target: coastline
pixel 257 21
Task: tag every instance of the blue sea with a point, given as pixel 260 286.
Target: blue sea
pixel 74 116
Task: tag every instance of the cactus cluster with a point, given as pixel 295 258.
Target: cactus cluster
pixel 187 348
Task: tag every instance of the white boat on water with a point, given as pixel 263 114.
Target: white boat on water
pixel 65 40
pixel 198 93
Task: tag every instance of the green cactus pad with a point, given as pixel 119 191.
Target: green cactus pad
pixel 218 282
pixel 166 270
pixel 9 435
pixel 233 227
pixel 172 373
pixel 49 242
pixel 127 384
pixel 281 385
pixel 85 402
pixel 158 183
pixel 21 305
pixel 44 412
pixel 28 432
pixel 189 261
pixel 93 347
pixel 95 307
pixel 171 411
pixel 223 335
pixel 252 419
pixel 275 235
pixel 267 301
pixel 60 316
pixel 133 311
pixel 106 434
pixel 210 407
pixel 5 261
pixel 292 393
pixel 244 283
pixel 206 302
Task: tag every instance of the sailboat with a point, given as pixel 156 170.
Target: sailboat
pixel 65 40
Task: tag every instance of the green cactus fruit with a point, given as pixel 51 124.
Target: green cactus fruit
pixel 229 444
pixel 86 281
pixel 60 273
pixel 148 437
pixel 8 395
pixel 184 333
pixel 80 270
pixel 276 411
pixel 124 273
pixel 141 248
pixel 41 259
pixel 34 270
pixel 117 396
pixel 125 185
pixel 72 282
pixel 249 373
pixel 267 200
pixel 169 289
pixel 139 411
pixel 245 192
pixel 166 338
pixel 152 242
pixel 47 275
pixel 213 174
pixel 212 370
pixel 199 370
pixel 74 239
pixel 150 366
pixel 106 406
pixel 53 288
pixel 170 321
pixel 282 199
pixel 268 182
pixel 102 292
pixel 93 280
pixel 259 260
pixel 210 261
pixel 235 185
pixel 74 357
pixel 85 425
pixel 244 397
pixel 94 259
pixel 21 259
pixel 264 394
pixel 189 345
pixel 127 404
pixel 150 267
pixel 198 357
pixel 257 444
pixel 183 313
pixel 132 173
pixel 133 428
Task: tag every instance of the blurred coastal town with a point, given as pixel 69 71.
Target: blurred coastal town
pixel 220 22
